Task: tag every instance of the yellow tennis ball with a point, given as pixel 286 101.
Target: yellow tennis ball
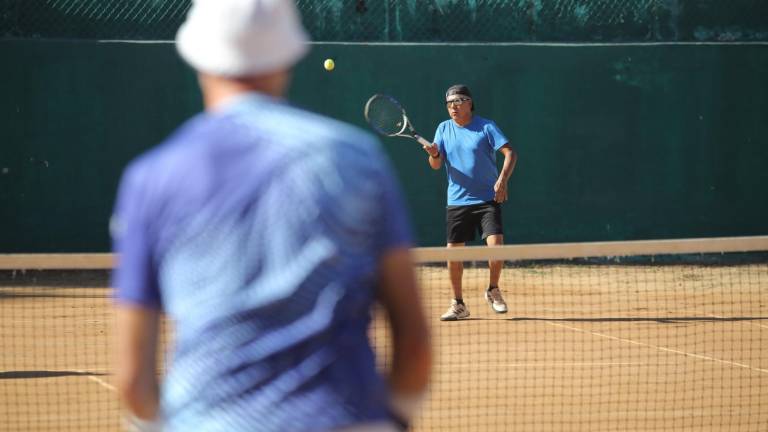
pixel 329 64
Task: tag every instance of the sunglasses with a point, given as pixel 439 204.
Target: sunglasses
pixel 457 101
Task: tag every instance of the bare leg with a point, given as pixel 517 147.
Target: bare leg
pixel 456 271
pixel 494 266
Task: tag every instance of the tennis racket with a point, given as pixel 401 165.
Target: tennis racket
pixel 387 117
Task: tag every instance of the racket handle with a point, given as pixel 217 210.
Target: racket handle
pixel 421 140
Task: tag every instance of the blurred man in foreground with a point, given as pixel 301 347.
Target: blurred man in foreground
pixel 266 233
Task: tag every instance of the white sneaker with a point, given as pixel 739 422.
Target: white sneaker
pixel 455 312
pixel 495 300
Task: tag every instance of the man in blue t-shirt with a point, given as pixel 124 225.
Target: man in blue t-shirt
pixel 266 233
pixel 467 144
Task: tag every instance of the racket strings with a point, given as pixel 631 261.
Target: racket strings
pixel 385 116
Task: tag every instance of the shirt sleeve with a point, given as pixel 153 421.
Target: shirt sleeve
pixel 439 140
pixel 495 136
pixel 135 279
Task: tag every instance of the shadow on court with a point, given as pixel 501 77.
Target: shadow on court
pixel 45 374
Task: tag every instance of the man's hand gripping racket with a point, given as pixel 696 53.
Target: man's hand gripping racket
pixel 387 117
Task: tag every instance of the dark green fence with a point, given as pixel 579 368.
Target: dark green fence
pixel 615 142
pixel 416 20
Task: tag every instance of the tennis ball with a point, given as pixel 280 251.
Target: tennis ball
pixel 329 64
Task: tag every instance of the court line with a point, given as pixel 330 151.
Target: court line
pixel 96 379
pixel 101 382
pixel 661 348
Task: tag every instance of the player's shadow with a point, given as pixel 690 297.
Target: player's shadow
pixel 45 374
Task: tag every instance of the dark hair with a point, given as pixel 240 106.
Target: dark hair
pixel 460 89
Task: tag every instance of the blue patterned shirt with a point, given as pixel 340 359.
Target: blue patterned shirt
pixel 258 230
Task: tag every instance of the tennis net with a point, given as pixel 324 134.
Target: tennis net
pixel 656 335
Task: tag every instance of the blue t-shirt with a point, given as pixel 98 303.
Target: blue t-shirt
pixel 259 231
pixel 470 159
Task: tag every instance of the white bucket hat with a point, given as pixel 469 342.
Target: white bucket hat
pixel 237 38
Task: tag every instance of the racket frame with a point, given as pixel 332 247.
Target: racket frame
pixel 405 131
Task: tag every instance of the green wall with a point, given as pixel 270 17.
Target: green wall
pixel 615 142
pixel 71 115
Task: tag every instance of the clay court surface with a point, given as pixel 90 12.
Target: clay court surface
pixel 583 348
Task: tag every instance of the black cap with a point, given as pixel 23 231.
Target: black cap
pixel 459 89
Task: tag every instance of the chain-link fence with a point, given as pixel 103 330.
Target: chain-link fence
pixel 416 20
pixel 92 19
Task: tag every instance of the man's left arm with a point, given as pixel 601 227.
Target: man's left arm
pixel 510 160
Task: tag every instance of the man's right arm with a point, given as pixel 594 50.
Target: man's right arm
pixel 435 159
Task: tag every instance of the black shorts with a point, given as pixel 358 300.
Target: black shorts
pixel 461 222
